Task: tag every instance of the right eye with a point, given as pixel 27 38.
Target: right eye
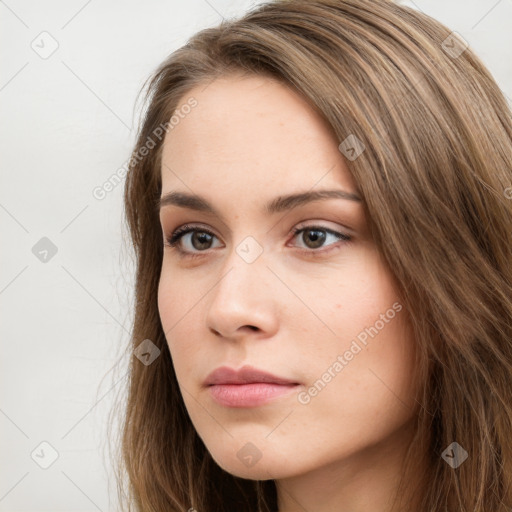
pixel 200 240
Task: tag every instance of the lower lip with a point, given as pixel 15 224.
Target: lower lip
pixel 248 395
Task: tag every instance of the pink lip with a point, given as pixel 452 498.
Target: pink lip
pixel 248 395
pixel 247 387
pixel 245 375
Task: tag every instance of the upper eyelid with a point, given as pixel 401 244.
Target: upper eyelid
pixel 187 228
pixel 191 226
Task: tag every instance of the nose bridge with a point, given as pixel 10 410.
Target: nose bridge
pixel 243 273
pixel 241 296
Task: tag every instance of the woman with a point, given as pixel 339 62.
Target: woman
pixel 320 205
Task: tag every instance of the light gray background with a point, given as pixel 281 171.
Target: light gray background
pixel 68 124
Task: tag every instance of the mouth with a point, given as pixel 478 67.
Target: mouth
pixel 246 387
pixel 248 395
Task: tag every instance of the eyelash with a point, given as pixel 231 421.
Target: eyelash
pixel 174 239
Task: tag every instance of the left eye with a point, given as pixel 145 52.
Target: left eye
pixel 318 235
pixel 201 238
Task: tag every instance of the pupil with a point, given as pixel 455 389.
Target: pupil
pixel 317 238
pixel 202 238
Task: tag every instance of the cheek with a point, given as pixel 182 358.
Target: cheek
pixel 176 309
pixel 365 371
pixel 178 299
pixel 364 402
pixel 353 298
pixel 166 301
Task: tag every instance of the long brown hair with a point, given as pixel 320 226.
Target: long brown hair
pixel 435 175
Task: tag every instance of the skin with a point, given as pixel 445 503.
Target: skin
pixel 248 140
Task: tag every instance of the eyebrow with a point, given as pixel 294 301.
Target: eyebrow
pixel 276 205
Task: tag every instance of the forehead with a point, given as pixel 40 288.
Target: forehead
pixel 254 130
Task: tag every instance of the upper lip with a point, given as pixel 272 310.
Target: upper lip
pixel 245 375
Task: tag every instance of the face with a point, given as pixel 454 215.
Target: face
pixel 295 288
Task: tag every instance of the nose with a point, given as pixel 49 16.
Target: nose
pixel 244 300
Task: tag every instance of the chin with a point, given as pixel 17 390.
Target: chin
pixel 241 465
